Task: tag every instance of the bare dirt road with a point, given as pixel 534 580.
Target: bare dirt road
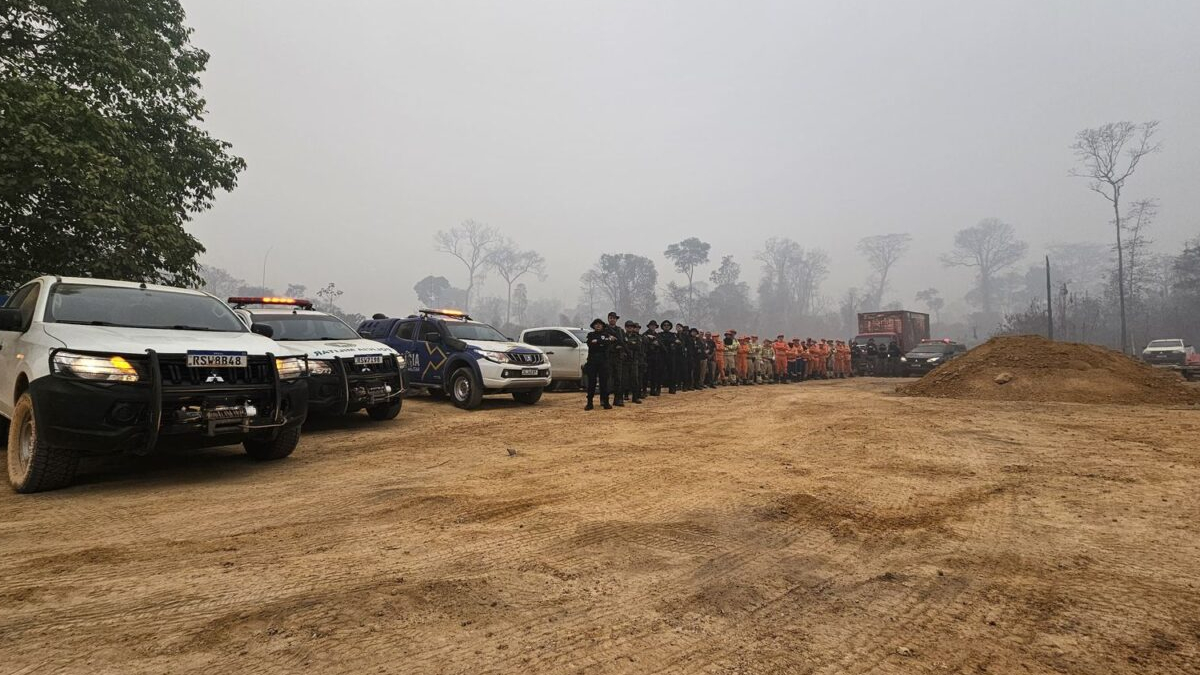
pixel 816 528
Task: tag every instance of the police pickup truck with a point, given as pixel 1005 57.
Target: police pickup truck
pixel 94 367
pixel 446 353
pixel 347 373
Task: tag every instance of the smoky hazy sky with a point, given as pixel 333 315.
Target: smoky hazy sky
pixel 587 127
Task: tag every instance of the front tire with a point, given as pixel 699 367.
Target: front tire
pixel 527 397
pixel 465 389
pixel 385 411
pixel 275 448
pixel 34 466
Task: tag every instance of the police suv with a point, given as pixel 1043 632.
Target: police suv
pixel 347 373
pixel 93 367
pixel 446 353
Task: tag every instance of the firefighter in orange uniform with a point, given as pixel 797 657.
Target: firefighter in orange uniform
pixel 718 363
pixel 743 360
pixel 781 359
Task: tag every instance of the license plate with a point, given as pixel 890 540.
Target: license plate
pixel 368 360
pixel 216 359
pixel 230 412
pixel 529 371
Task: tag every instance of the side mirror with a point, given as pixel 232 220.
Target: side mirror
pixel 262 329
pixel 11 319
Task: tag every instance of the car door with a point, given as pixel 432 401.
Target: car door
pixel 542 340
pixel 429 347
pixel 24 299
pixel 402 339
pixel 563 352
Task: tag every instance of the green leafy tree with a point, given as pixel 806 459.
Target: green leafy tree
pixel 102 159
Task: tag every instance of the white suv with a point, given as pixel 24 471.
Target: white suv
pixel 346 372
pixel 93 367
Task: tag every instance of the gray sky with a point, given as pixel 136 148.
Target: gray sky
pixel 587 127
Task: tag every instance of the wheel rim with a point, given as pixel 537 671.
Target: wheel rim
pixel 27 439
pixel 462 389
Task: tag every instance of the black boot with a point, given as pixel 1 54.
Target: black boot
pixel 605 405
pixel 589 405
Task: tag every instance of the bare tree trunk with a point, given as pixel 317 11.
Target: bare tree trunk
pixel 508 307
pixel 1120 272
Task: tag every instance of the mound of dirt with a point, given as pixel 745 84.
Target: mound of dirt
pixel 1032 368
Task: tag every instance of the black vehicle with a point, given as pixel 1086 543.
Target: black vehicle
pixel 929 355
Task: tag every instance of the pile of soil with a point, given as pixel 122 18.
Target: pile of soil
pixel 1032 368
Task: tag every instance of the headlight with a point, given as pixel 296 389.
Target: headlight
pixel 497 357
pixel 933 359
pixel 318 367
pixel 400 362
pixel 903 359
pixel 100 368
pixel 290 368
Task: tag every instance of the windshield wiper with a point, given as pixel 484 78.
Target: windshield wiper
pixel 92 323
pixel 179 326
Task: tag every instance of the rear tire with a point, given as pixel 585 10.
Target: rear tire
pixel 34 466
pixel 527 397
pixel 385 411
pixel 465 389
pixel 276 448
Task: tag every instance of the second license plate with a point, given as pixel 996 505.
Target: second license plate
pixel 216 359
pixel 529 372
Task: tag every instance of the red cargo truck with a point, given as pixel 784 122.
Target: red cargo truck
pixel 905 328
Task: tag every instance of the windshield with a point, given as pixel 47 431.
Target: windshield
pixel 475 331
pixel 580 334
pixel 1158 344
pixel 930 349
pixel 139 308
pixel 301 326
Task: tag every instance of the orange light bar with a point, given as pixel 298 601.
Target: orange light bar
pixel 295 302
pixel 447 312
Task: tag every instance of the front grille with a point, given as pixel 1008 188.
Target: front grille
pixel 175 373
pixel 526 358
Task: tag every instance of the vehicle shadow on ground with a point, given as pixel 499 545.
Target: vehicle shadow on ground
pixel 168 466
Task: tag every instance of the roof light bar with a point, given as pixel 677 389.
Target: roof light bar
pixel 241 301
pixel 457 314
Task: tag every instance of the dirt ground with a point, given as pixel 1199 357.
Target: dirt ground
pixel 816 528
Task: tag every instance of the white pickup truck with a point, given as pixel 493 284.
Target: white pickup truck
pixel 95 367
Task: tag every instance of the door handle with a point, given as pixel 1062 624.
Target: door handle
pixel 549 353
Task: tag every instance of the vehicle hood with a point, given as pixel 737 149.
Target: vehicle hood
pixel 331 349
pixel 503 346
pixel 1163 350
pixel 118 340
pixel 922 355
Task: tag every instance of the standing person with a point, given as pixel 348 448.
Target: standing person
pixel 872 355
pixel 731 349
pixel 616 359
pixel 684 365
pixel 633 358
pixel 670 346
pixel 743 359
pixel 781 359
pixel 766 362
pixel 893 357
pixel 599 344
pixel 654 359
pixel 697 363
pixel 755 359
pixel 717 365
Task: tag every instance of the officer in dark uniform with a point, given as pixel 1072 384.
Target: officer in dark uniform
pixel 670 346
pixel 872 352
pixel 599 345
pixel 616 359
pixel 654 359
pixel 683 366
pixel 893 357
pixel 698 357
pixel 630 380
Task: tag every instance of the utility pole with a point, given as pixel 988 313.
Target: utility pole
pixel 1049 303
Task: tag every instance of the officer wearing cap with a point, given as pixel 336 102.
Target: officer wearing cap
pixel 596 368
pixel 616 359
pixel 670 346
pixel 630 370
pixel 654 359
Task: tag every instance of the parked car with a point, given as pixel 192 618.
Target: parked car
pixel 1170 352
pixel 346 372
pixel 929 355
pixel 449 354
pixel 565 347
pixel 95 367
